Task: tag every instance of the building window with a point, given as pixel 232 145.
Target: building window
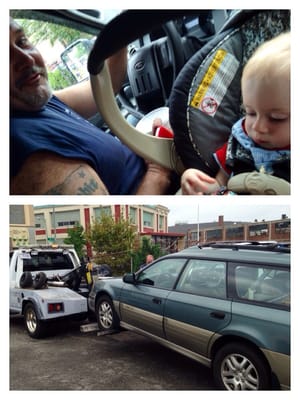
pixel 258 230
pixel 102 211
pixel 16 214
pixel 161 222
pixel 147 219
pixel 283 227
pixel 67 223
pixel 214 234
pixel 236 232
pixel 133 215
pixel 40 221
pixel 194 236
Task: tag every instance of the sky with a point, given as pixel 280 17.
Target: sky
pixel 232 208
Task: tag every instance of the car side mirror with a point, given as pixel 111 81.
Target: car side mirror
pixel 75 58
pixel 129 278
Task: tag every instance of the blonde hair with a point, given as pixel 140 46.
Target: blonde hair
pixel 271 60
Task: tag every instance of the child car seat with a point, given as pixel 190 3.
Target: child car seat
pixel 206 99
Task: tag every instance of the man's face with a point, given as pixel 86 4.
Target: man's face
pixel 29 87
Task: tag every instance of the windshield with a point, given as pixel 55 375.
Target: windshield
pixel 107 15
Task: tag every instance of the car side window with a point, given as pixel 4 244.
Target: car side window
pixel 262 284
pixel 163 274
pixel 65 50
pixel 204 278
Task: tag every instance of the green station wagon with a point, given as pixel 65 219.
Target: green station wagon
pixel 226 305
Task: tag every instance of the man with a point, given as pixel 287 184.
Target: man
pixel 148 260
pixel 54 150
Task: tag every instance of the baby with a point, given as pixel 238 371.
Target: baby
pixel 261 140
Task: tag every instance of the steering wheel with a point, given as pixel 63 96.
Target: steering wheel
pixel 121 31
pixel 152 70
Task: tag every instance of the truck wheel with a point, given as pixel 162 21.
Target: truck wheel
pixel 34 326
pixel 39 280
pixel 26 280
pixel 107 317
pixel 240 367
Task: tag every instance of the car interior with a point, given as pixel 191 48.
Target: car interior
pixel 173 56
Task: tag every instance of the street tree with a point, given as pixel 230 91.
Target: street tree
pixel 112 242
pixel 76 237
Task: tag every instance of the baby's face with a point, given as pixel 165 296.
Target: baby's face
pixel 267 107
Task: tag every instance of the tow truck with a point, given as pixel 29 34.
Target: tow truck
pixel 47 284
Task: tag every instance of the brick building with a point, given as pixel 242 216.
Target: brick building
pixel 277 230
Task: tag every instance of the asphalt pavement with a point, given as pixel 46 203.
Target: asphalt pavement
pixel 70 359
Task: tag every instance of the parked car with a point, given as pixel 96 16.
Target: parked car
pixel 226 305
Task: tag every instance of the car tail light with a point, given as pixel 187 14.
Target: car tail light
pixel 55 307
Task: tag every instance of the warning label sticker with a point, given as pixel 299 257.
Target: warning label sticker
pixel 215 82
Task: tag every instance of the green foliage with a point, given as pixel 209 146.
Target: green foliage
pixel 112 242
pixel 76 237
pixel 147 247
pixel 39 31
pixel 60 78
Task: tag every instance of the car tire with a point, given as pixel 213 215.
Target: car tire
pixel 26 280
pixel 39 280
pixel 237 366
pixel 34 326
pixel 107 317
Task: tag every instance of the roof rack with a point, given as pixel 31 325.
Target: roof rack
pixel 280 247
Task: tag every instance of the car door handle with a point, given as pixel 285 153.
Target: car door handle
pixel 217 314
pixel 155 300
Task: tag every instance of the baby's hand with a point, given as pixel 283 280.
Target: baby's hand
pixel 195 182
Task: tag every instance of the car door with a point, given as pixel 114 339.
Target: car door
pixel 142 303
pixel 198 308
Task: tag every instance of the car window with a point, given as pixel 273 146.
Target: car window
pixel 262 284
pixel 64 49
pixel 204 278
pixel 47 262
pixel 162 274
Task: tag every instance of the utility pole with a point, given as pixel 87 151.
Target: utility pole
pixel 198 227
pixel 54 224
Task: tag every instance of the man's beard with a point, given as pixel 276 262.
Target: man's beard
pixel 36 100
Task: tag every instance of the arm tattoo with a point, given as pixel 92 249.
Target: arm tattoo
pixel 80 183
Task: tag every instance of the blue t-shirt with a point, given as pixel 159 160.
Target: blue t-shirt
pixel 59 129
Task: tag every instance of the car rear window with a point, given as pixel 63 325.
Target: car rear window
pixel 260 284
pixel 47 261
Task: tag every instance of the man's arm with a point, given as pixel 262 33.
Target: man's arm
pixel 45 173
pixel 80 97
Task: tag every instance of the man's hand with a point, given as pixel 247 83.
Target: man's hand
pixel 157 180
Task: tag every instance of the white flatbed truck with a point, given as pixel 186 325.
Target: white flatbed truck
pixel 46 285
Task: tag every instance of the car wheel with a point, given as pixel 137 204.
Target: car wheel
pixel 40 280
pixel 107 317
pixel 240 367
pixel 34 326
pixel 26 280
